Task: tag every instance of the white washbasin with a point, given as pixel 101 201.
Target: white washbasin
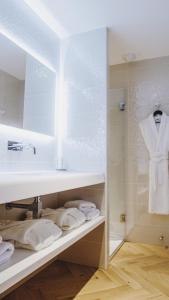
pixel 28 173
pixel 22 185
pixel 32 174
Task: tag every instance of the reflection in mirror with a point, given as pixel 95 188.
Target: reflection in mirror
pixel 27 90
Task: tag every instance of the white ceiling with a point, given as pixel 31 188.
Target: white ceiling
pixel 12 58
pixel 136 26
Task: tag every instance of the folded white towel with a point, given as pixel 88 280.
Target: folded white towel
pixel 88 208
pixel 80 204
pixel 6 251
pixel 31 234
pixel 90 213
pixel 65 218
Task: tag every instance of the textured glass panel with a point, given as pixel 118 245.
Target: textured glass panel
pixel 85 93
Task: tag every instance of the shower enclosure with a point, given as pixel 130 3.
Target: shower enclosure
pixel 116 167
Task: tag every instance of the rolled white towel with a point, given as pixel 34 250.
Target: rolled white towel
pixel 80 204
pixel 6 251
pixel 88 208
pixel 66 219
pixel 90 213
pixel 31 234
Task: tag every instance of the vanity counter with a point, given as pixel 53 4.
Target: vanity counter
pixel 17 186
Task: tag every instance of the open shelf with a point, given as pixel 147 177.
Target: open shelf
pixel 24 262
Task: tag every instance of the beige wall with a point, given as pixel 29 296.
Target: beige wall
pixel 146 83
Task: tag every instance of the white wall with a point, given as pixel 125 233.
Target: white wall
pixel 26 160
pixel 84 97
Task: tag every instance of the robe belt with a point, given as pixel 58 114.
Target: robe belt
pixel 157 171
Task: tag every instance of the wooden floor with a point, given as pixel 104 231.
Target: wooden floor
pixel 59 281
pixel 138 272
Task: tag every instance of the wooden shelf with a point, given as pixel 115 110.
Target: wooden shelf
pixel 24 262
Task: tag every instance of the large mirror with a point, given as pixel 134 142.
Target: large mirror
pixel 27 90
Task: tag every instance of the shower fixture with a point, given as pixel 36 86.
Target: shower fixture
pixel 122 105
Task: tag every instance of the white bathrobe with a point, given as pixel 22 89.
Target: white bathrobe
pixel 157 142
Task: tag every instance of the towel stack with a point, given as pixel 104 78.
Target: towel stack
pixel 6 251
pixel 40 233
pixel 66 219
pixel 86 207
pixel 30 234
pixel 72 215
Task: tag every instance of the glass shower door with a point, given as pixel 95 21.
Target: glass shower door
pixel 116 168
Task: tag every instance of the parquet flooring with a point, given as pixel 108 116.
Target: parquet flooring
pixel 136 272
pixel 59 281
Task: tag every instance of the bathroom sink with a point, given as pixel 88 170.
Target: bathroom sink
pixel 35 174
pixel 27 173
pixel 22 185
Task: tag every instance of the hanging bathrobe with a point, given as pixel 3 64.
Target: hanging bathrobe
pixel 157 142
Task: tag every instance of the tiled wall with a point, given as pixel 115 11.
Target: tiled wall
pixel 26 160
pixel 147 84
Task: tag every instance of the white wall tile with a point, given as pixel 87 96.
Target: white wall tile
pixel 26 160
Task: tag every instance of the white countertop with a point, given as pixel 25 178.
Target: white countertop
pixel 22 185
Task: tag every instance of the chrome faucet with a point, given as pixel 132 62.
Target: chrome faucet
pixel 35 206
pixel 19 146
